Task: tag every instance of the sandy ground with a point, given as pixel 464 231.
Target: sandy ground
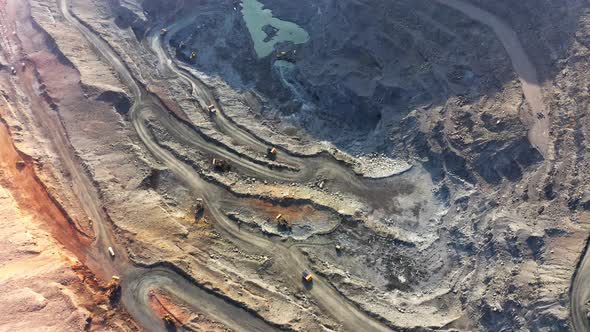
pixel 45 286
pixel 481 233
pixel 38 283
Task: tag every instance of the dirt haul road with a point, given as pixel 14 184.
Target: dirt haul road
pixel 579 294
pixel 291 260
pixel 200 90
pixel 524 68
pixel 98 258
pixel 219 309
pixel 298 168
pixel 538 135
pixel 204 95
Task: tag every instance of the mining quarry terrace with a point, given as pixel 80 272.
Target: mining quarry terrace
pixel 258 165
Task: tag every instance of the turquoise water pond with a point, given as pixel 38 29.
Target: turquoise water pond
pixel 256 17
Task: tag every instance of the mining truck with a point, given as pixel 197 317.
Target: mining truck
pixel 163 31
pixel 307 277
pixel 212 109
pixel 199 207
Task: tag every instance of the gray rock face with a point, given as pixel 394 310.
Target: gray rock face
pixel 365 67
pixel 423 81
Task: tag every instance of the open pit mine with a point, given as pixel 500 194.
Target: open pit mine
pixel 280 165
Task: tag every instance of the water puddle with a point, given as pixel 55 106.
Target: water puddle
pixel 266 30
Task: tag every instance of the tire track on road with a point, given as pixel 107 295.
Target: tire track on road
pixel 292 260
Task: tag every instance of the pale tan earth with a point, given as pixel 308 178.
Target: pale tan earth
pixel 461 203
pixel 40 289
pixel 44 284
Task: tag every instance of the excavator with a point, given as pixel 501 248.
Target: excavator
pixel 283 222
pixel 164 31
pixel 168 318
pixel 113 288
pixel 169 321
pixel 287 56
pixel 271 153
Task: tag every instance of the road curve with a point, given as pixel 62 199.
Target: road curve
pixel 524 68
pixel 291 259
pixel 309 168
pixel 580 294
pixel 140 282
pixel 579 290
pixel 199 89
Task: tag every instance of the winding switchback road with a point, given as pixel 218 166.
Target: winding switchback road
pixel 139 281
pixel 300 169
